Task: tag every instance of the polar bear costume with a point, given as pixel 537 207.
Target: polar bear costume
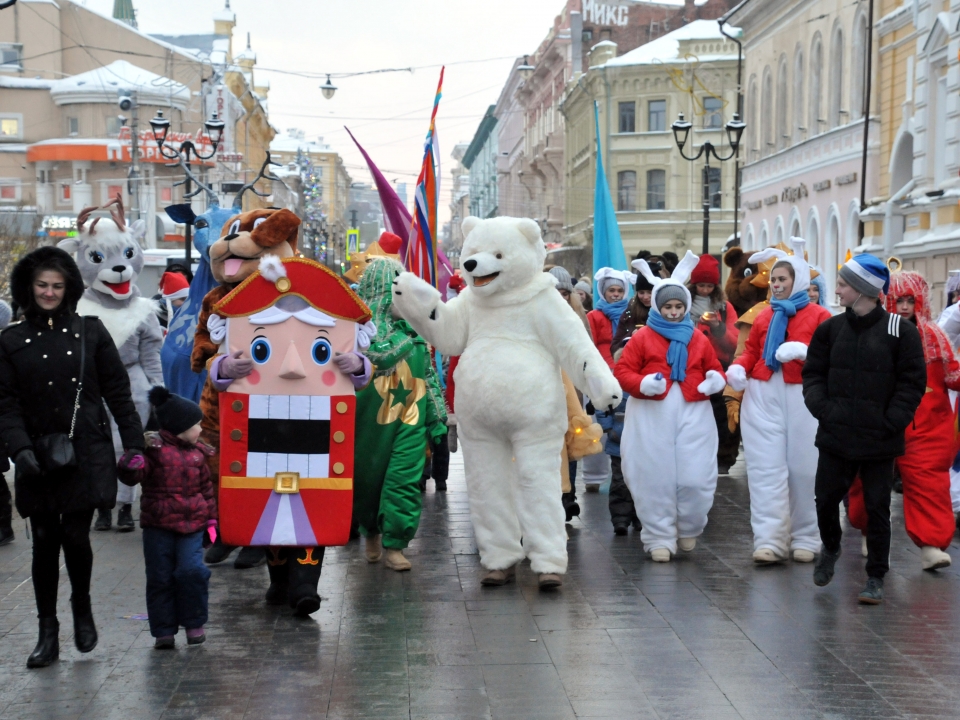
pixel 514 333
pixel 669 441
pixel 779 432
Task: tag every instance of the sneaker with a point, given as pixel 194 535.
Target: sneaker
pixel 660 555
pixel 125 519
pixel 104 520
pixel 164 643
pixel 372 549
pixel 496 578
pixel 872 594
pixel 766 556
pixel 548 581
pixel 395 560
pixel 824 569
pixel 804 556
pixel 196 636
pixel 687 544
pixel 619 529
pixel 934 558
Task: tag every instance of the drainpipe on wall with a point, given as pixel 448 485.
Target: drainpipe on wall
pixel 888 217
pixel 736 160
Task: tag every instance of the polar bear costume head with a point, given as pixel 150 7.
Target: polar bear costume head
pixel 501 254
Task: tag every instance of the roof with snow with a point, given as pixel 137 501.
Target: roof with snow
pixel 666 49
pixel 287 144
pixel 103 84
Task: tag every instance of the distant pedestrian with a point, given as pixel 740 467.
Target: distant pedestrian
pixel 177 507
pixel 56 372
pixel 863 380
pixel 6 501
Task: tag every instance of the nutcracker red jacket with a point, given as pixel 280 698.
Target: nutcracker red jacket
pixel 800 328
pixel 646 353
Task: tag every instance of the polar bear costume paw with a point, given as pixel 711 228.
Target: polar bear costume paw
pixel 604 391
pixel 415 298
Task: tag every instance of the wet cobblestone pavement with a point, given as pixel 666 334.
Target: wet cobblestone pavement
pixel 707 636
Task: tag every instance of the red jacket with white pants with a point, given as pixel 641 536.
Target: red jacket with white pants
pixel 646 353
pixel 601 330
pixel 800 328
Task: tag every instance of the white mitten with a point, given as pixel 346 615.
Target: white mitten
pixel 713 383
pixel 653 384
pixel 415 299
pixel 737 377
pixel 604 391
pixel 790 351
pixel 217 327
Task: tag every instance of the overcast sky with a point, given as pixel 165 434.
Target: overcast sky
pixel 342 36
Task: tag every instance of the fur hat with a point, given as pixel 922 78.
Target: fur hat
pixel 44 258
pixel 706 271
pixel 174 413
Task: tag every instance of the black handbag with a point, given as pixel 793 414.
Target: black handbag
pixel 55 451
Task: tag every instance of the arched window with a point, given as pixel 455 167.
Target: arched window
pixel 753 136
pixel 766 111
pixel 783 135
pixel 816 87
pixel 858 67
pixel 798 103
pixel 836 78
pixel 778 232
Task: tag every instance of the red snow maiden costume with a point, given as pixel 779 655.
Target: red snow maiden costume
pixel 601 330
pixel 931 439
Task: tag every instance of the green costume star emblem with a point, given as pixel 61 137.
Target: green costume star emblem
pixel 399 394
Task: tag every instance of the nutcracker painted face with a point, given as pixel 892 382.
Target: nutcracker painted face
pixel 287 428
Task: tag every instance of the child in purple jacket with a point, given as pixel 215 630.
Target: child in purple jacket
pixel 177 506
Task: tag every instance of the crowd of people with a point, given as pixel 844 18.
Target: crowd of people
pixel 662 378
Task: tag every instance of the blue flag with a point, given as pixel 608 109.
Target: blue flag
pixel 607 245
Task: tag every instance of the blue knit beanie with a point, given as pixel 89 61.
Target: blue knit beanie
pixel 867 274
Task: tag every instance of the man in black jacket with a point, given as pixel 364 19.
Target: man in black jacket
pixel 863 380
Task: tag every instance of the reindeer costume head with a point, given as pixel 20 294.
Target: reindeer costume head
pixel 108 251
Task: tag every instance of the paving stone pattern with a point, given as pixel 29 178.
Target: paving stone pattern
pixel 707 636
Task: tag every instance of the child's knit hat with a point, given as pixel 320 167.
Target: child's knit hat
pixel 673 287
pixel 866 274
pixel 174 413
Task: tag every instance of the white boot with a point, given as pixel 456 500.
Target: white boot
pixel 395 560
pixel 373 549
pixel 803 556
pixel 660 555
pixel 934 558
pixel 686 544
pixel 863 546
pixel 766 556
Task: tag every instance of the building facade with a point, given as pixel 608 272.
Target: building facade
pixel 63 144
pixel 480 159
pixel 916 216
pixel 805 81
pixel 459 198
pixel 657 194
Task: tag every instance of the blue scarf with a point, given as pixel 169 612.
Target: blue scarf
pixel 679 334
pixel 613 311
pixel 783 310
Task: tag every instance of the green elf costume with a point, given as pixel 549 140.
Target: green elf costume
pixel 398 413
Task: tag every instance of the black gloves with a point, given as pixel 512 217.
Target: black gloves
pixel 26 464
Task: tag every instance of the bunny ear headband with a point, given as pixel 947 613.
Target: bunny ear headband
pixel 801 268
pixel 681 274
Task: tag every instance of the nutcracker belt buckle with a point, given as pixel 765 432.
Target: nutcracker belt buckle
pixel 287 483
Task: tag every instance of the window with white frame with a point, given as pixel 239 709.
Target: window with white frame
pixel 712 112
pixel 815 123
pixel 11 56
pixel 9 190
pixel 11 126
pixel 782 101
pixel 798 98
pixel 73 126
pixel 836 79
pixel 766 113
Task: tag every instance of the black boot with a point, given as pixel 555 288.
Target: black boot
pixel 440 485
pixel 304 574
pixel 125 519
pixel 249 557
pixel 104 520
pixel 218 552
pixel 47 650
pixel 279 591
pixel 84 630
pixel 6 535
pixel 824 569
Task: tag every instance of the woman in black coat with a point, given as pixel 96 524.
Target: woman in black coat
pixel 39 369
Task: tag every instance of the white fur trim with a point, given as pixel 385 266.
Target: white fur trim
pixel 365 334
pixel 271 268
pixel 121 323
pixel 217 327
pixel 274 315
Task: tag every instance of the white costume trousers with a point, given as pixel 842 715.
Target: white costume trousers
pixel 669 460
pixel 513 484
pixel 779 435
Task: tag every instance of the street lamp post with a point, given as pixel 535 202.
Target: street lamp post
pixel 161 126
pixel 681 131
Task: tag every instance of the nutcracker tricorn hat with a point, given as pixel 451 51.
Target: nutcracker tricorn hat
pixel 312 282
